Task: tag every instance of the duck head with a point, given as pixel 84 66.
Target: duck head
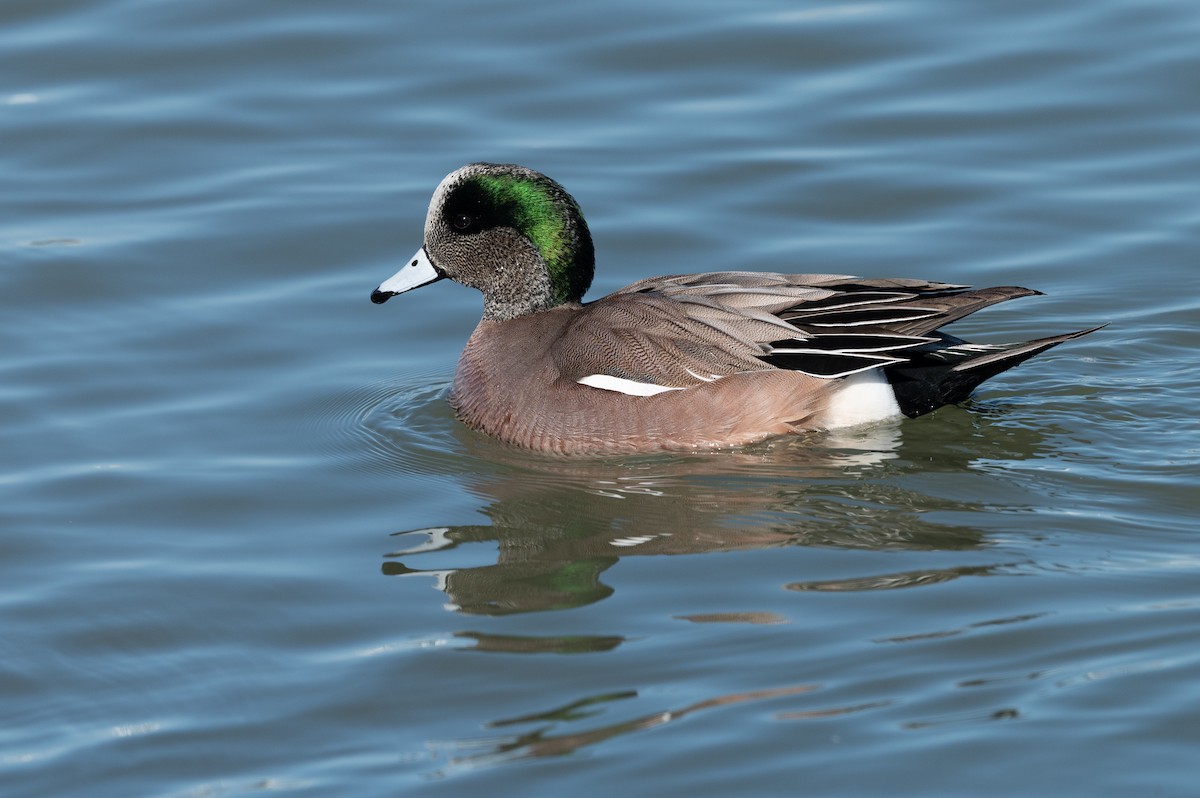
pixel 511 232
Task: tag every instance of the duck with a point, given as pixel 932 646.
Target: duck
pixel 684 361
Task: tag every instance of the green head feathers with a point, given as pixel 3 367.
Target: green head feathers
pixel 539 209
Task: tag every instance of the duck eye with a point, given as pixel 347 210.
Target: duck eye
pixel 462 221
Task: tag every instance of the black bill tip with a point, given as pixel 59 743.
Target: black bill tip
pixel 379 297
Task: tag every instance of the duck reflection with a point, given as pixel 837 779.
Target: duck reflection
pixel 544 741
pixel 559 524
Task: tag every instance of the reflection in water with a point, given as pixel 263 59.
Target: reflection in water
pixel 972 717
pixel 560 523
pixel 761 618
pixel 894 581
pixel 955 632
pixel 542 743
pixel 576 710
pixel 832 712
pixel 559 644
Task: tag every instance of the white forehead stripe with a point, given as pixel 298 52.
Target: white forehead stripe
pixel 621 385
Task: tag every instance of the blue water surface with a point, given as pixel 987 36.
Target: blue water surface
pixel 247 548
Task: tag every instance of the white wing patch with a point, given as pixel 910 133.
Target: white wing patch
pixel 607 382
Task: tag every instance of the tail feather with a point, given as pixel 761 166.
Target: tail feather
pixel 952 307
pixel 948 371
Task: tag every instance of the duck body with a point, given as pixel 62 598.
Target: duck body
pixel 528 396
pixel 684 361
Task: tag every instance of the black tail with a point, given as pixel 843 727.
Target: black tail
pixel 946 372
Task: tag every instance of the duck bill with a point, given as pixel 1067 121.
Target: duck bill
pixel 419 271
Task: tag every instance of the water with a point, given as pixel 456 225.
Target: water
pixel 246 548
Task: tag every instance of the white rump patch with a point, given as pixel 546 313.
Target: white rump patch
pixel 621 385
pixel 862 398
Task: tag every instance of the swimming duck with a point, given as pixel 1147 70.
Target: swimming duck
pixel 685 361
